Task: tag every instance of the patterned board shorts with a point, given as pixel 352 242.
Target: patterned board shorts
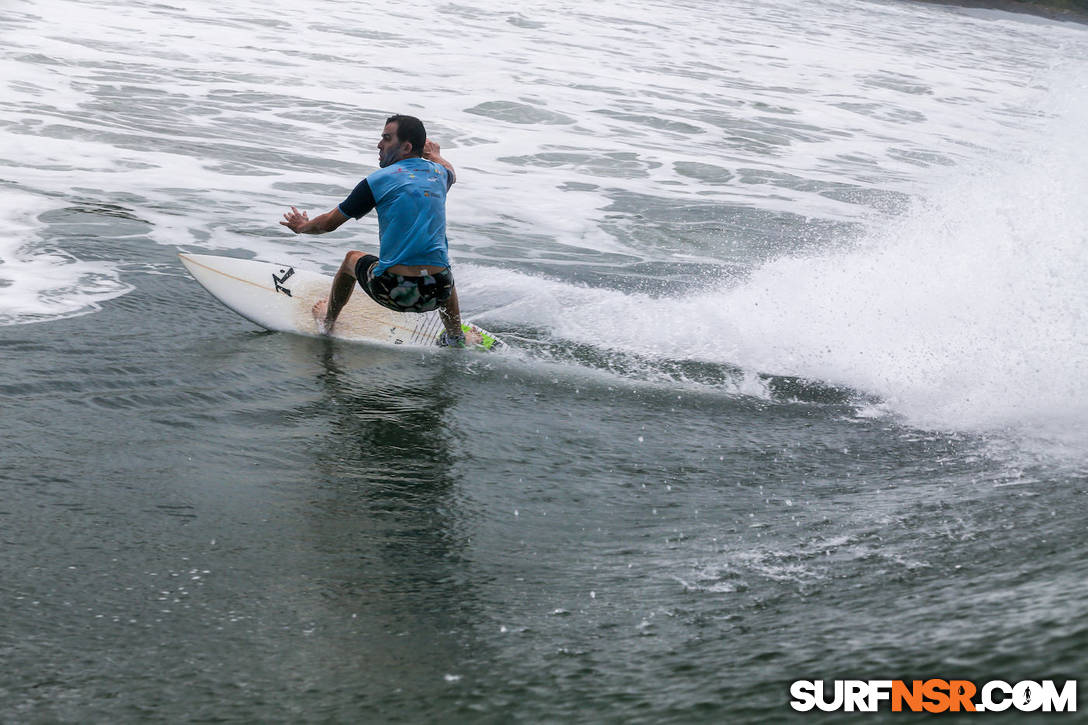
pixel 404 294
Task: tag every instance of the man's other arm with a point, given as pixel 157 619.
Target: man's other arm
pixel 432 152
pixel 301 223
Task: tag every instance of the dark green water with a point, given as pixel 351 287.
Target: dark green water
pixel 207 522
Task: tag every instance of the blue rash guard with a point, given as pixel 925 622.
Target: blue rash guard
pixel 410 197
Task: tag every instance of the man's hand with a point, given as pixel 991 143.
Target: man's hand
pixel 431 150
pixel 295 220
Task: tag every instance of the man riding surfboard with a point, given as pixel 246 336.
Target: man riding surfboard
pixel 412 270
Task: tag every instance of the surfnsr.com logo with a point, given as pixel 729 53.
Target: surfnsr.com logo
pixel 933 695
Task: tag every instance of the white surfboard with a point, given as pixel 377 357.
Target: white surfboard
pixel 280 298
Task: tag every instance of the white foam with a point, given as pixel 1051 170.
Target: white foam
pixel 39 280
pixel 966 315
pixel 970 313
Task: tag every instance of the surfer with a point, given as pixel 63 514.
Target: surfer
pixel 412 270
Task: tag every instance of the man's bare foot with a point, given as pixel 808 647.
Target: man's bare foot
pixel 323 325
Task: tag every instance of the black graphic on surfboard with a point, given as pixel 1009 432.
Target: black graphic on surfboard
pixel 278 281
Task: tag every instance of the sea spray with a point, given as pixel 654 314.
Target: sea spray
pixel 966 313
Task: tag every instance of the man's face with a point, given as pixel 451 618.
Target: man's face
pixel 390 150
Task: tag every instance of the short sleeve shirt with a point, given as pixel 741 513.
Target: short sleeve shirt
pixel 410 197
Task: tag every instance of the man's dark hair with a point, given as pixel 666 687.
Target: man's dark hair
pixel 410 129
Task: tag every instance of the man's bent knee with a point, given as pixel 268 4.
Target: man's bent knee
pixel 351 259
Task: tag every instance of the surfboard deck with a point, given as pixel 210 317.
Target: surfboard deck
pixel 280 298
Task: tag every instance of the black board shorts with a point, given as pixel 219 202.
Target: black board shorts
pixel 404 294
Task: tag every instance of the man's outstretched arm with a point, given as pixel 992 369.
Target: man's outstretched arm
pixel 301 223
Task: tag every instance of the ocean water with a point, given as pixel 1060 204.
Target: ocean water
pixel 797 387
